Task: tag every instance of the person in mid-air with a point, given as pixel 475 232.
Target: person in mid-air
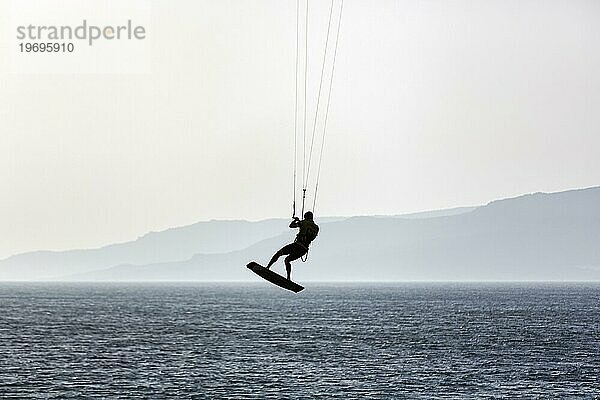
pixel 308 232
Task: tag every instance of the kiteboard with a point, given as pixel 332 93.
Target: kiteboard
pixel 274 278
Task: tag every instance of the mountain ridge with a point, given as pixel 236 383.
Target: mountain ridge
pixel 537 236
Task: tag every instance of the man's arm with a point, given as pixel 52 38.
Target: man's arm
pixel 295 223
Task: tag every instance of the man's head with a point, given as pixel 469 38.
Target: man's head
pixel 308 215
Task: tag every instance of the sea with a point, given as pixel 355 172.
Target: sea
pixel 331 341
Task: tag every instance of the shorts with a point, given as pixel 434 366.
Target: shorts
pixel 294 251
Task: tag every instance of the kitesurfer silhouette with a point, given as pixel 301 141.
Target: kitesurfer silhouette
pixel 308 232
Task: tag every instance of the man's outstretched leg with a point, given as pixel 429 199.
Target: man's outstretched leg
pixel 284 250
pixel 274 258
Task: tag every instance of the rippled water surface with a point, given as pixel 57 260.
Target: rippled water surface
pixel 331 341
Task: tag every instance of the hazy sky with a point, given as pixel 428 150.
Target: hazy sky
pixel 435 104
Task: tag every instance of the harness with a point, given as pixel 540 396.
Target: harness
pixel 304 257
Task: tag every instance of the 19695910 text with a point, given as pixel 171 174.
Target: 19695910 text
pixel 49 47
